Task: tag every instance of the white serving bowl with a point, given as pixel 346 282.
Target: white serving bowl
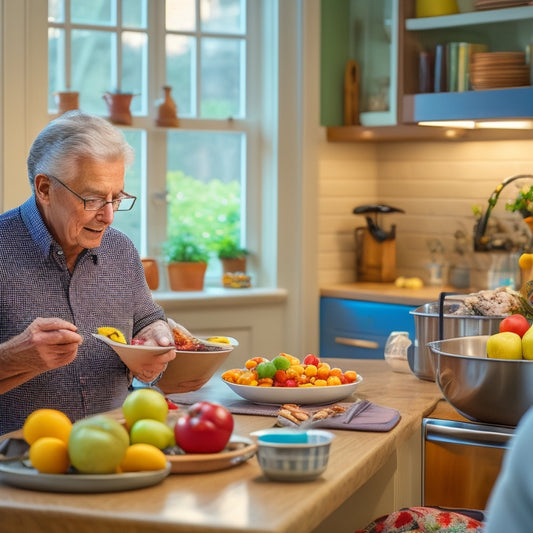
pixel 292 454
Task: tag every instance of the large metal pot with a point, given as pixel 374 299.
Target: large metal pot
pixel 494 391
pixel 435 321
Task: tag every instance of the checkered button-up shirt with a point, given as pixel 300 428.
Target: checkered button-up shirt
pixel 106 288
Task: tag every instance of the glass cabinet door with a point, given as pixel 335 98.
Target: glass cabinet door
pixel 364 31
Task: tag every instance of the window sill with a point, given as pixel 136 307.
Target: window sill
pixel 219 297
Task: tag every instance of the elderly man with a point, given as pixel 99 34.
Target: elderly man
pixel 64 272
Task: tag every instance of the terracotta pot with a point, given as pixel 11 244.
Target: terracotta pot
pixel 151 273
pixel 118 105
pixel 186 276
pixel 66 101
pixel 234 265
pixel 167 110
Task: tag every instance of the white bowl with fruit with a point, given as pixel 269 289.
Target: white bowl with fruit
pixel 287 379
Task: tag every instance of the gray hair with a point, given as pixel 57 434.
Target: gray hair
pixel 72 137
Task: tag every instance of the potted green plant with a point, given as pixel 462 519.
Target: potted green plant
pixel 186 263
pixel 232 255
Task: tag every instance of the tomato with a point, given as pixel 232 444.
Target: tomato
pixel 205 428
pixel 311 359
pixel 515 324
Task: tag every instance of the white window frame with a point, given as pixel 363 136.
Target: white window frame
pixel 259 125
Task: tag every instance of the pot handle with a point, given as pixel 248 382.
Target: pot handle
pixel 442 297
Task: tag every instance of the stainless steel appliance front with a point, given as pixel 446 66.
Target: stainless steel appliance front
pixel 461 461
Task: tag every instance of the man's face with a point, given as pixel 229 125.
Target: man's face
pixel 72 226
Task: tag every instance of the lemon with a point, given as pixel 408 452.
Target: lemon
pixel 141 456
pixel 525 261
pixel 112 333
pixel 219 340
pixel 49 455
pixel 46 423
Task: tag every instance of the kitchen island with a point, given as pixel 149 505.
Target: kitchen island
pixel 369 474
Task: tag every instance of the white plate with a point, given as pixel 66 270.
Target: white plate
pixel 18 475
pixel 298 395
pixel 238 450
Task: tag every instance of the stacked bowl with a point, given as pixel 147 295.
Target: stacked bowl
pixel 497 70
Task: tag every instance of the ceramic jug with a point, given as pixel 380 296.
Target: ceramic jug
pixel 66 101
pixel 118 105
pixel 167 110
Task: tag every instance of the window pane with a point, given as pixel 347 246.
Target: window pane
pixel 131 222
pixel 135 69
pixel 56 64
pixel 180 15
pixel 205 173
pixel 134 13
pixel 223 16
pixel 100 12
pixel 56 10
pixel 93 68
pixel 180 64
pixel 222 78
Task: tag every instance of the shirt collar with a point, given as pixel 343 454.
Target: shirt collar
pixel 38 231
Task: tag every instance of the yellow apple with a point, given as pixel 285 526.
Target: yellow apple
pixel 504 345
pixel 97 445
pixel 527 344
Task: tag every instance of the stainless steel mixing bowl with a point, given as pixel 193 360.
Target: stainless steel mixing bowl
pixel 495 391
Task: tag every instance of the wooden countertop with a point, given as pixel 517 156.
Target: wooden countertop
pixel 238 499
pixel 386 293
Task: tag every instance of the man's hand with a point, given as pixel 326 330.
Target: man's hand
pixel 156 334
pixel 47 343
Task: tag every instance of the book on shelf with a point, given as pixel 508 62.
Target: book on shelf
pixel 459 55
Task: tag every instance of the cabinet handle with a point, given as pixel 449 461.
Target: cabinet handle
pixel 358 343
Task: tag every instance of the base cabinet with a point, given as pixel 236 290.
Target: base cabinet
pixel 360 329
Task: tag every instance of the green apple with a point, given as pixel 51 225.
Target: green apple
pixel 505 345
pixel 527 344
pixel 97 445
pixel 144 403
pixel 152 432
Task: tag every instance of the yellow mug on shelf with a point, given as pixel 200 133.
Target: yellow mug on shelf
pixel 435 8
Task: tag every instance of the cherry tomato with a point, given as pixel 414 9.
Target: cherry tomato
pixel 515 323
pixel 205 428
pixel 311 359
pixel 170 403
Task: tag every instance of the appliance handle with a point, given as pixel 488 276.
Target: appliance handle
pixel 442 297
pixel 460 435
pixel 358 343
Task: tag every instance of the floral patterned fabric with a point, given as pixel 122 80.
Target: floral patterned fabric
pixel 427 520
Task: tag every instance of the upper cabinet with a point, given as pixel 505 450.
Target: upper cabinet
pixel 386 41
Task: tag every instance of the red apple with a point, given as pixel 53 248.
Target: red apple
pixel 515 324
pixel 205 428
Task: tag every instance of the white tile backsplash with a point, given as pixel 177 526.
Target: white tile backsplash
pixel 436 183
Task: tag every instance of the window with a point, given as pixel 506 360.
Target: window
pixel 193 179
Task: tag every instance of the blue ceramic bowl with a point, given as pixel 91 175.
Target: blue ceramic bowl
pixel 293 455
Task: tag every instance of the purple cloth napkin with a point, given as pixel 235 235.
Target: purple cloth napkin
pixel 361 416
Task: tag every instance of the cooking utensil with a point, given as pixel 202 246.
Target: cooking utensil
pixel 375 247
pixel 436 321
pixel 495 391
pixel 351 94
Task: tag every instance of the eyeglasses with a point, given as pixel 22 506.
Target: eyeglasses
pixel 124 203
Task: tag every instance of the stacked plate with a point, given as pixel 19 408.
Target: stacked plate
pixel 498 4
pixel 497 70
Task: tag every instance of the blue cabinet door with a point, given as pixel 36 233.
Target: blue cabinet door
pixel 360 329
